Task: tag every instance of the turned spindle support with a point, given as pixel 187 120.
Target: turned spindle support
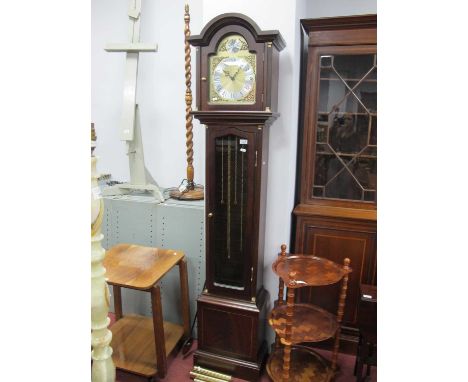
pixel 280 292
pixel 339 316
pixel 281 282
pixel 288 331
pixel 188 102
pixel 191 191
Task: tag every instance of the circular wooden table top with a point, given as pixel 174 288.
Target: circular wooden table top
pixel 308 270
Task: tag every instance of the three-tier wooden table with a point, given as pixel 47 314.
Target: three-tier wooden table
pixel 298 323
pixel 141 344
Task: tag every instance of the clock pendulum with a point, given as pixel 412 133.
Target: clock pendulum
pixel 242 197
pixel 228 225
pixel 235 173
pixel 188 190
pixel 222 170
pixel 237 74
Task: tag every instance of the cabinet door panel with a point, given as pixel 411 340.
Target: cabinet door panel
pixel 336 245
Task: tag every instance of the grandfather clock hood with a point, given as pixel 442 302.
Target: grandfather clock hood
pixel 264 45
pixel 207 33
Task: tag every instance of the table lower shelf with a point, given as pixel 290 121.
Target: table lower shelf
pixel 306 366
pixel 310 323
pixel 134 347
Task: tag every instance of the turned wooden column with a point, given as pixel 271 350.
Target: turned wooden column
pixel 191 190
pixel 103 369
pixel 280 293
pixel 339 316
pixel 288 330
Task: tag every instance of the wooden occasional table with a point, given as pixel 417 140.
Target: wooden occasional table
pixel 141 344
pixel 296 323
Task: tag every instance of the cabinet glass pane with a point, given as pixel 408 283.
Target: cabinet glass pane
pixel 230 210
pixel 346 128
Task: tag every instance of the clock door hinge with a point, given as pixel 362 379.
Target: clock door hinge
pixel 256 154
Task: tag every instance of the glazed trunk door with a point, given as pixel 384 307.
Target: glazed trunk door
pixel 230 176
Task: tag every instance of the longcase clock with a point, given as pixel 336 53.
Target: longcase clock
pixel 237 72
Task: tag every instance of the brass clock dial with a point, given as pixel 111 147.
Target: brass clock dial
pixel 232 73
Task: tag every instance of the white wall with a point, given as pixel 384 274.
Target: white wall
pixel 330 8
pixel 161 90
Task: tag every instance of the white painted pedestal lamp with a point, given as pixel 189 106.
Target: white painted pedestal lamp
pixel 103 369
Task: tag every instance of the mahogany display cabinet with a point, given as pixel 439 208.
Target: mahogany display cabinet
pixel 335 216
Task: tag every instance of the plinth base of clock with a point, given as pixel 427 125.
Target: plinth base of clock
pixel 249 371
pixel 231 335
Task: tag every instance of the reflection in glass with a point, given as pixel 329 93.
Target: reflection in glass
pixel 355 66
pixel 322 127
pixel 326 61
pixel 318 191
pixel 373 132
pixel 343 186
pixel 346 128
pixel 230 210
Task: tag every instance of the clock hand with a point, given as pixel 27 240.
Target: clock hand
pixel 238 69
pixel 227 73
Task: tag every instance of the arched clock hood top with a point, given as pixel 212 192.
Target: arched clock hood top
pixel 224 19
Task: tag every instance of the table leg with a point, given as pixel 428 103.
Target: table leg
pixel 358 355
pixel 288 331
pixel 184 296
pixel 159 339
pixel 117 302
pixel 360 361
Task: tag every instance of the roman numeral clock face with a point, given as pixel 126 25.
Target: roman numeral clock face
pixel 232 73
